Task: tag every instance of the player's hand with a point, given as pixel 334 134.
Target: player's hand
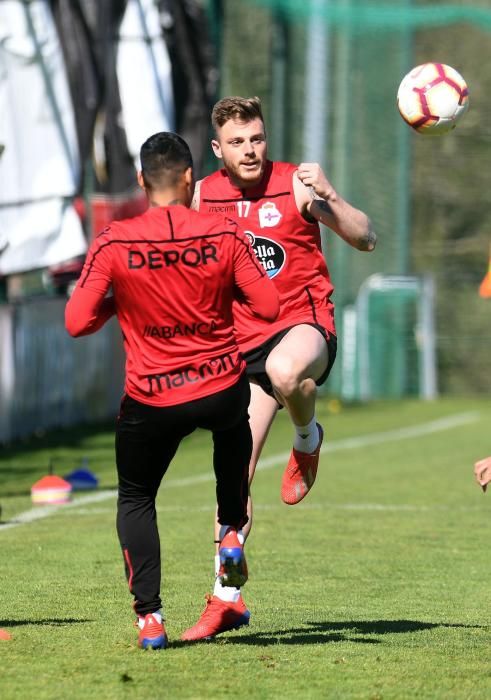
pixel 482 472
pixel 312 175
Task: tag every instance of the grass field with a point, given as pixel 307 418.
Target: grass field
pixel 377 586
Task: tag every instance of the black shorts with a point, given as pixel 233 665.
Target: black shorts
pixel 256 358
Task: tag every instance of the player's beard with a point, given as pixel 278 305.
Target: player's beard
pixel 245 177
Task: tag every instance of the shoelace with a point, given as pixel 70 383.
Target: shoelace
pixel 211 607
pixel 293 469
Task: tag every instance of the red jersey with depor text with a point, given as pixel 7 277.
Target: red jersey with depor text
pixel 287 246
pixel 172 273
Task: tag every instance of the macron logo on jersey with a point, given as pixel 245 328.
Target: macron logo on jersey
pixel 189 375
pixel 270 254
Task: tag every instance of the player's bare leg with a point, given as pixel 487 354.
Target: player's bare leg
pixel 262 411
pixel 293 367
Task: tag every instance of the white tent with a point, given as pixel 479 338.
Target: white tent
pixel 39 168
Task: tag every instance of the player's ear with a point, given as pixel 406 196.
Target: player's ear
pixel 140 180
pixel 216 148
pixel 189 176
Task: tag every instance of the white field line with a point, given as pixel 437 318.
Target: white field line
pixel 354 443
pixel 45 511
pixel 323 506
pixel 422 429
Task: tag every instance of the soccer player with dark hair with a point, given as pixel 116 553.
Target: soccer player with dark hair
pixel 280 205
pixel 174 274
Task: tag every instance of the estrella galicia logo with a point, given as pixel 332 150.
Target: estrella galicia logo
pixel 270 254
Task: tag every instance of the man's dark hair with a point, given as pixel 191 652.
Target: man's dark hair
pixel 164 157
pixel 244 109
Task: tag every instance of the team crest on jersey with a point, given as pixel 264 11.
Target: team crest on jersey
pixel 269 215
pixel 270 254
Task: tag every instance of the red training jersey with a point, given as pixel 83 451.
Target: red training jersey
pixel 174 274
pixel 287 246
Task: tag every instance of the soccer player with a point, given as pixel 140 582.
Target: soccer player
pixel 280 205
pixel 173 274
pixel 482 472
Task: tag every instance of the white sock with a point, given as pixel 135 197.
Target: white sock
pixel 306 437
pixel 227 593
pixel 157 615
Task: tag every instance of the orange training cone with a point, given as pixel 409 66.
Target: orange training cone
pixel 51 490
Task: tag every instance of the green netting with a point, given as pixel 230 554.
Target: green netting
pixel 327 73
pixel 361 16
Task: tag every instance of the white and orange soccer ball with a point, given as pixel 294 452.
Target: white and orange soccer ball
pixel 432 98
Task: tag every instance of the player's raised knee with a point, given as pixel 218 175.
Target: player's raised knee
pixel 284 374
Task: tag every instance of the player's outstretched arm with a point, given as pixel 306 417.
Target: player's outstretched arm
pixel 262 298
pixel 85 312
pixel 482 472
pixel 317 198
pixel 88 308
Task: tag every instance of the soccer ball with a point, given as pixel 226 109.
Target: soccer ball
pixel 432 98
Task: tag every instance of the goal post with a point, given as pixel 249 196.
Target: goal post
pixel 388 340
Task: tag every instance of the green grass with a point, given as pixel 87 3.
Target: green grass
pixel 377 586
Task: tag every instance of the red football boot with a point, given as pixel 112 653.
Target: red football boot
pixel 300 473
pixel 218 616
pixel 233 566
pixel 152 634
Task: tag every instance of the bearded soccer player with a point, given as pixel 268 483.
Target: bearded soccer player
pixel 280 206
pixel 174 273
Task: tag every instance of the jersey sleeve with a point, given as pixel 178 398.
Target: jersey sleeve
pixel 87 310
pixel 85 313
pixel 255 287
